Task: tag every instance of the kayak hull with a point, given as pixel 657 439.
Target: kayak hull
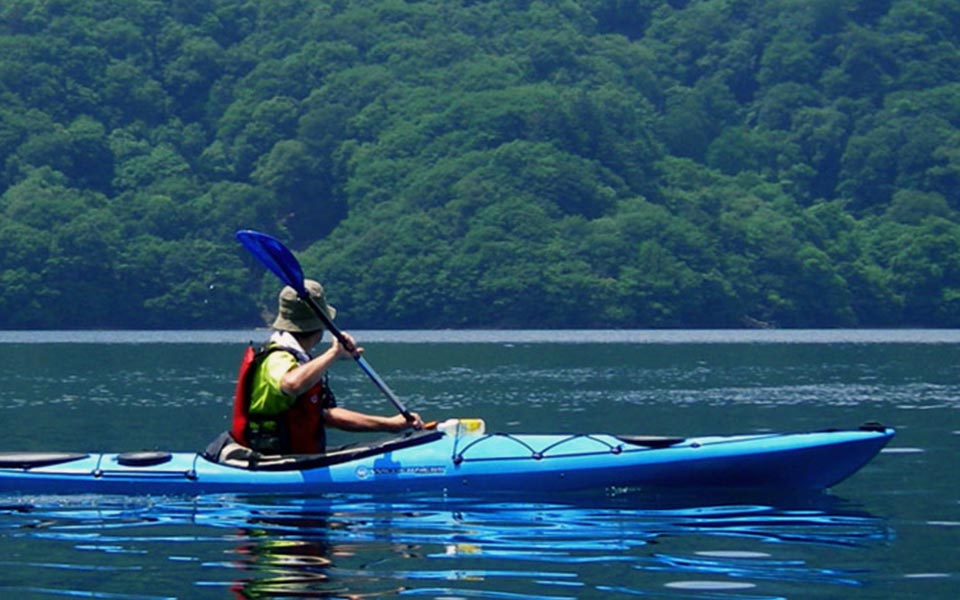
pixel 474 464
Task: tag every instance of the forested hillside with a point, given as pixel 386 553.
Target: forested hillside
pixel 508 163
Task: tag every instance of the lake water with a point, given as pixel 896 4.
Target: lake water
pixel 891 531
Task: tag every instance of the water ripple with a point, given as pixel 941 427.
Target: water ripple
pixel 313 547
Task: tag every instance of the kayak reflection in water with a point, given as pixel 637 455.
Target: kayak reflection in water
pixel 283 400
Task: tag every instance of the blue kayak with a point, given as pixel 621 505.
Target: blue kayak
pixel 462 461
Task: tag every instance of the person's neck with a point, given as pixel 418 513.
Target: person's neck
pixel 308 340
pixel 298 343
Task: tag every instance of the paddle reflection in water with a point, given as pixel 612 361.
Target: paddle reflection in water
pixel 355 547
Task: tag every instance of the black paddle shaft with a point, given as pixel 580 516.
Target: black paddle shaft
pixel 355 353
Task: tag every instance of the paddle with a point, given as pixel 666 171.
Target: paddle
pixel 276 257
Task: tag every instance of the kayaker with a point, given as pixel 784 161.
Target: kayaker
pixel 283 401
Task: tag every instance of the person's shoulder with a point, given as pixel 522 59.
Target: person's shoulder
pixel 276 355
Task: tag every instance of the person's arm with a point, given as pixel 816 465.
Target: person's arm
pixel 301 378
pixel 350 420
pixel 298 380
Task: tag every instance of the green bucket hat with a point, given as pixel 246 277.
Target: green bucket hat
pixel 293 314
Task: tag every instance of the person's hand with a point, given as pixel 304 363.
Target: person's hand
pixel 399 422
pixel 416 423
pixel 345 351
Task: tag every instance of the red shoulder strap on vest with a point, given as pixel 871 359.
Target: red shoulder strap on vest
pixel 241 396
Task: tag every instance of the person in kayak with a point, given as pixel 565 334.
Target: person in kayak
pixel 283 401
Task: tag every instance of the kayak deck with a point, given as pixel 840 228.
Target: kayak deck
pixel 435 461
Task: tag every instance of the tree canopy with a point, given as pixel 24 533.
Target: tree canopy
pixel 510 163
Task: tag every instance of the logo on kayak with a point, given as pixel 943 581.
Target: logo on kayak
pixel 370 472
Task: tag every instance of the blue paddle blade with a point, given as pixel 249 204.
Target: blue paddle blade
pixel 276 257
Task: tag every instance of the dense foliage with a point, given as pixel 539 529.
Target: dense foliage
pixel 437 163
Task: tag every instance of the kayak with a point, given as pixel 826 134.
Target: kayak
pixel 460 458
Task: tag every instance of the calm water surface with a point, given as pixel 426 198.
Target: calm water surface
pixel 892 531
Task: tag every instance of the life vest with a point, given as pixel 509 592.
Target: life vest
pixel 298 430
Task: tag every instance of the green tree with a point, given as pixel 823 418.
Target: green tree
pixel 604 163
pixel 926 271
